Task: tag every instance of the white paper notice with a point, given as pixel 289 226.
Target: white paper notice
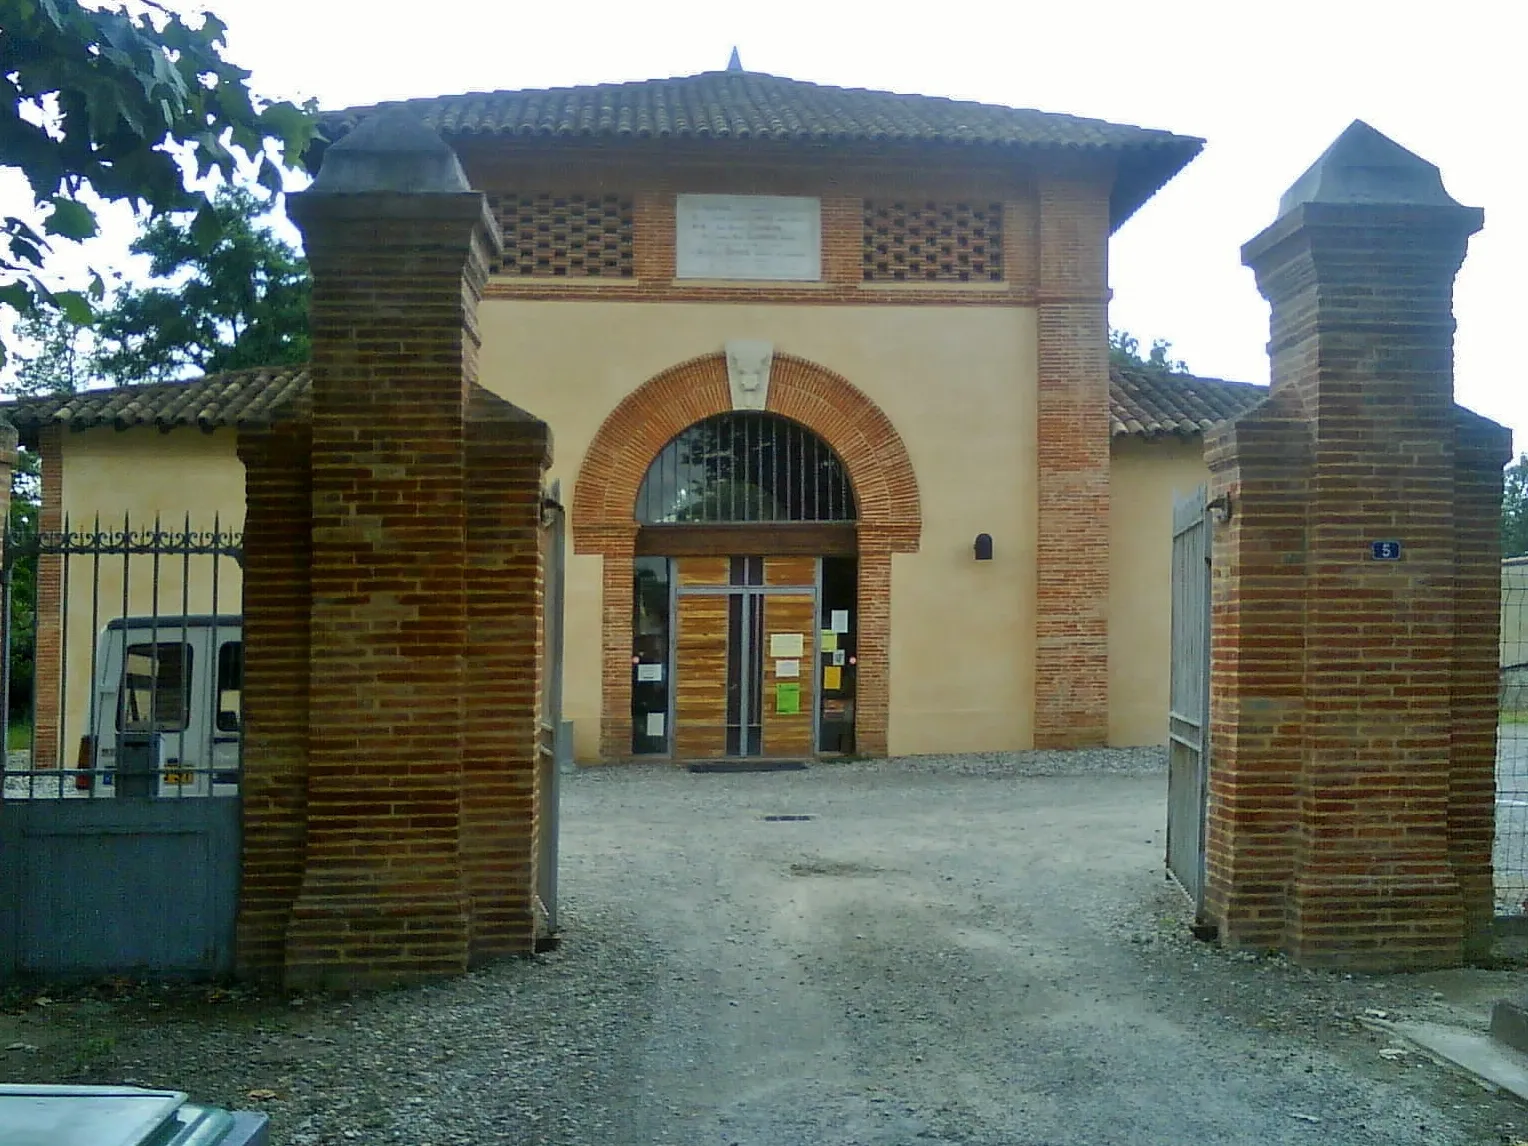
pixel 840 621
pixel 650 674
pixel 838 656
pixel 655 724
pixel 787 668
pixel 785 644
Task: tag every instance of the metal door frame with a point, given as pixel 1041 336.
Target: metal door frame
pixel 1188 723
pixel 550 746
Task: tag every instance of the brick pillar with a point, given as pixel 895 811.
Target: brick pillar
pixel 507 455
pixel 1345 817
pixel 278 542
pixel 47 658
pixel 399 248
pixel 1072 552
pixel 8 442
pixel 1481 449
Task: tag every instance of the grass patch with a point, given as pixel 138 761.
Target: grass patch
pixel 18 735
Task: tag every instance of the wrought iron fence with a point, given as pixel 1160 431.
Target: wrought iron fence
pixel 1511 850
pixel 122 666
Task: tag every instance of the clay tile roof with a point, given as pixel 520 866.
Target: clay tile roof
pixel 736 106
pixel 1142 403
pixel 253 397
pixel 1152 403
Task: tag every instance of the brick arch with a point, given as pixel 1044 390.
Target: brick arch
pixel 603 520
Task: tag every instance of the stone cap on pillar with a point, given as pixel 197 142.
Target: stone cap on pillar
pixel 1364 166
pixel 1365 176
pixel 391 151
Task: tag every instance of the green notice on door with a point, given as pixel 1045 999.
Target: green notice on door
pixel 788 698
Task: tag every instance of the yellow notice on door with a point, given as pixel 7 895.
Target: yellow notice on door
pixel 788 698
pixel 832 678
pixel 827 641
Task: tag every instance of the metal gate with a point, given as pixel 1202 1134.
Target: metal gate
pixel 120 706
pixel 1189 695
pixel 554 749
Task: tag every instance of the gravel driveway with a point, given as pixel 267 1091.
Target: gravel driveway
pixel 965 951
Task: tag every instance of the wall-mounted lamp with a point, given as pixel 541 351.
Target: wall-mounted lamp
pixel 983 547
pixel 1220 508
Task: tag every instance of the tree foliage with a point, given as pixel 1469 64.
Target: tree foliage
pixel 114 101
pixel 241 301
pixel 61 359
pixel 1514 510
pixel 1125 351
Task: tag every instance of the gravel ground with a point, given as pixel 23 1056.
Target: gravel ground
pixel 974 950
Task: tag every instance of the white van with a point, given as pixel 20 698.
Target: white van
pixel 166 708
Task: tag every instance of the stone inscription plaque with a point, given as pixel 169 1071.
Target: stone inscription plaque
pixel 771 238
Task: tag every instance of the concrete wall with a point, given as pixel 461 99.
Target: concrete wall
pixel 1146 475
pixel 962 632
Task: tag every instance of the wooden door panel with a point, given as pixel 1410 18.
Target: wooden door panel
pixel 704 571
pixel 790 734
pixel 700 676
pixel 790 571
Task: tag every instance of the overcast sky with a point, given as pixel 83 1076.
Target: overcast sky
pixel 1268 85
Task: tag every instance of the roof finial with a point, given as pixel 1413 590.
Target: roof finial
pixel 734 64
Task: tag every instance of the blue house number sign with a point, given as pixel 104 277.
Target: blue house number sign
pixel 1384 551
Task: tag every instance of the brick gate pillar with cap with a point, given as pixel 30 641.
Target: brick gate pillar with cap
pixel 409 851
pixel 1355 613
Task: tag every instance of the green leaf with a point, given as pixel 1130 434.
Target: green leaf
pixel 75 306
pixel 206 228
pixel 17 296
pixel 71 219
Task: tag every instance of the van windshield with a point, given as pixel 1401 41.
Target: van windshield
pixel 156 688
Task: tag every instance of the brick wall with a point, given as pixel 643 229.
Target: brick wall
pixel 506 457
pixel 47 665
pixel 1257 690
pixel 1480 449
pixel 277 603
pixel 842 181
pixel 1353 700
pixel 1072 549
pixel 879 469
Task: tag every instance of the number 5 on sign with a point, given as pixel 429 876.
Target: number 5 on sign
pixel 1384 551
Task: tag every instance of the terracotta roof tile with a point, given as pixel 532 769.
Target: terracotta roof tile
pixel 752 105
pixel 1150 403
pixel 735 106
pixel 1141 403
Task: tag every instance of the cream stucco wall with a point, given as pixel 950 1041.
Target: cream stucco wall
pixel 1144 477
pixel 958 383
pixel 143 473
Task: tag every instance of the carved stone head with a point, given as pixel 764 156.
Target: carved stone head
pixel 748 366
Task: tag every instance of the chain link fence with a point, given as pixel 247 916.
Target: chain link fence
pixel 1511 852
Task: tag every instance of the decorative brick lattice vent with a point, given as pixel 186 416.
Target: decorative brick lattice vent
pixel 564 236
pixel 933 242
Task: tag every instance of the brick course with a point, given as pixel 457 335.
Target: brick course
pixel 47 664
pixel 1072 543
pixel 278 543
